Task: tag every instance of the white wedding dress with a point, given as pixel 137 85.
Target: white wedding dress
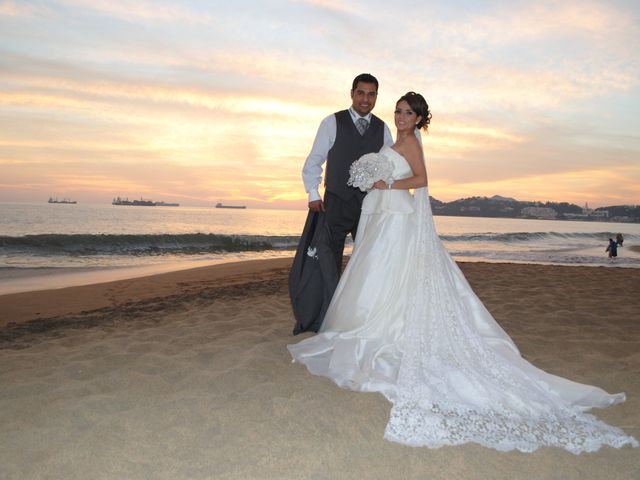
pixel 404 322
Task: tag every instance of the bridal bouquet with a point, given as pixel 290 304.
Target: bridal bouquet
pixel 368 169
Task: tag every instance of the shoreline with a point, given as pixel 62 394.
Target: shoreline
pixel 37 305
pixel 39 279
pixel 22 280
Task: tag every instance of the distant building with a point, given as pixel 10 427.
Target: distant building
pixel 599 214
pixel 576 216
pixel 538 212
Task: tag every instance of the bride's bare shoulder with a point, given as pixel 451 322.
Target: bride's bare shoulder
pixel 413 148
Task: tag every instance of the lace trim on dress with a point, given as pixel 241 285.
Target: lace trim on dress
pixel 434 426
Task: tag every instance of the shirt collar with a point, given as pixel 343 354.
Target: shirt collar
pixel 355 116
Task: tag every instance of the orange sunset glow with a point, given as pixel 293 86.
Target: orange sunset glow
pixel 198 102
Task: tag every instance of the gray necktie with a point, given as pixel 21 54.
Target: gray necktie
pixel 361 125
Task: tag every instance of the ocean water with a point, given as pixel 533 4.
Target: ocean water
pixel 40 241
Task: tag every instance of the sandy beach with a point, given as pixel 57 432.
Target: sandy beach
pixel 185 375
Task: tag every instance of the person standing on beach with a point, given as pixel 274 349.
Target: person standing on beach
pixel 612 248
pixel 342 138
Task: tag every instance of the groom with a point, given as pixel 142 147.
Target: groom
pixel 342 138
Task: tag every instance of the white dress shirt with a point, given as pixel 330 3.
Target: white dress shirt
pixel 325 138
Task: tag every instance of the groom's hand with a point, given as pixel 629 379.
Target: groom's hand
pixel 316 206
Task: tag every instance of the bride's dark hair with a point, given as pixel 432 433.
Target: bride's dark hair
pixel 418 104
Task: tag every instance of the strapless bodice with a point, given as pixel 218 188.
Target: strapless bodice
pixel 395 200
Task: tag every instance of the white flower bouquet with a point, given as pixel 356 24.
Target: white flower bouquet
pixel 368 169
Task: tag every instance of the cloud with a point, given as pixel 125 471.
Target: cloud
pixel 12 9
pixel 332 5
pixel 519 56
pixel 145 11
pixel 452 137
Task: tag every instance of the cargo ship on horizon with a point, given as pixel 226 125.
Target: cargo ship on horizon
pixel 220 205
pixel 142 203
pixel 64 200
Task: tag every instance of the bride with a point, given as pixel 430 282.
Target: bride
pixel 404 322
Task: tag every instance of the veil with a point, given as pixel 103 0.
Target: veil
pixel 418 135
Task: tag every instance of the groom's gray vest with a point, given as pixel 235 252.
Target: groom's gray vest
pixel 348 147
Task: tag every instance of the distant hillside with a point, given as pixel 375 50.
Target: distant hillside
pixel 622 213
pixel 498 206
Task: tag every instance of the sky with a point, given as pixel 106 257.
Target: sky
pixel 200 102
